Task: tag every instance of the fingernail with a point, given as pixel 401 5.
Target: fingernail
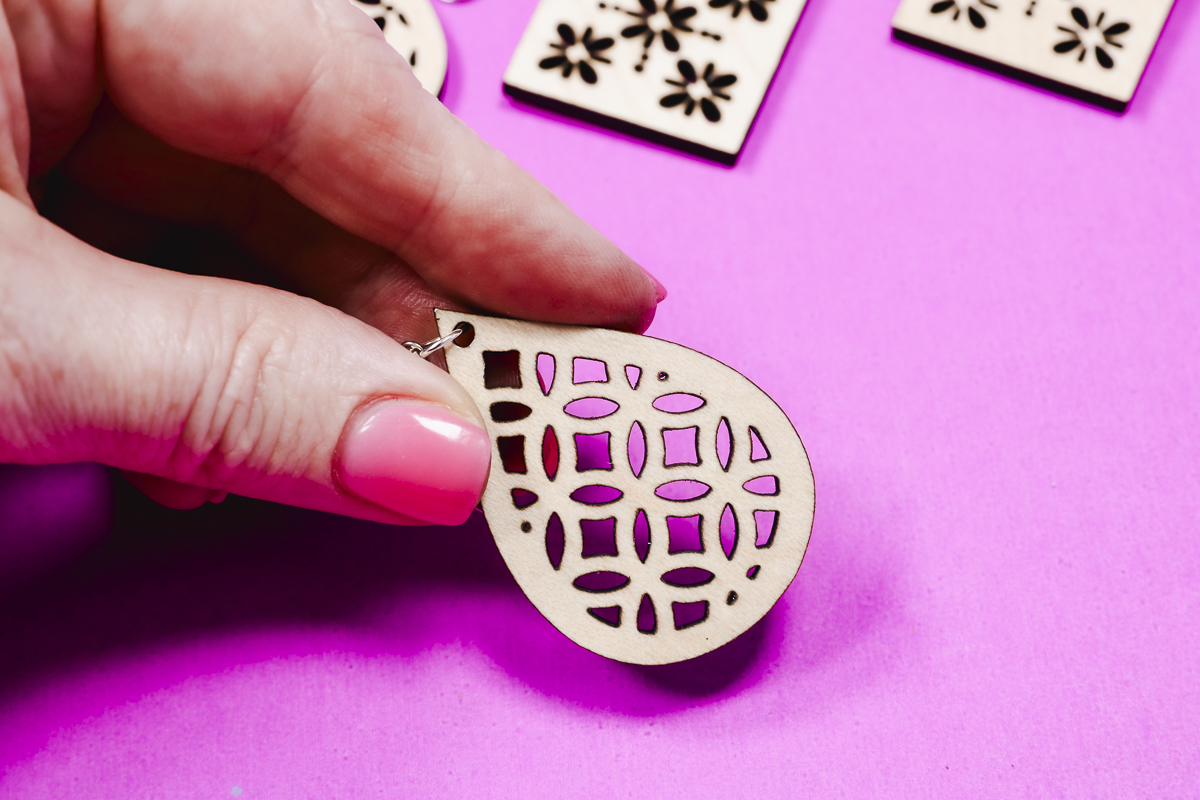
pixel 414 458
pixel 660 291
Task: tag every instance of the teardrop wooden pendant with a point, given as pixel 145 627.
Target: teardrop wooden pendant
pixel 651 502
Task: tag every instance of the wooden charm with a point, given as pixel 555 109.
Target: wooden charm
pixel 651 502
pixel 687 73
pixel 412 28
pixel 1095 50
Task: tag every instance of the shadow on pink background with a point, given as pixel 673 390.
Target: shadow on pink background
pixel 976 300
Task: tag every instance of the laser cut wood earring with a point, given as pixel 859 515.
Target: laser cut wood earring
pixel 651 502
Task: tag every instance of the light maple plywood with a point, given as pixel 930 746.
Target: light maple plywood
pixel 412 28
pixel 1094 49
pixel 592 576
pixel 689 73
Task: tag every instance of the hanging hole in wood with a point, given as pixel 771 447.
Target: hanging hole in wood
pixel 467 336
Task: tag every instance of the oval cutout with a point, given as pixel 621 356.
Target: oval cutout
pixel 508 411
pixel 724 444
pixel 550 452
pixel 591 408
pixel 556 540
pixel 679 402
pixel 729 531
pixel 635 449
pixel 765 485
pixel 687 576
pixel 683 491
pixel 641 535
pixel 601 581
pixel 597 494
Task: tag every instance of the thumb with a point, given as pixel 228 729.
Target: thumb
pixel 222 385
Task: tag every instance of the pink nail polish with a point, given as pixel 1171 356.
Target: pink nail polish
pixel 414 458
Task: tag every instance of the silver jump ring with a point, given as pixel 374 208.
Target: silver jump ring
pixel 432 346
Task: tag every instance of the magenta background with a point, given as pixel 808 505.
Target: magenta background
pixel 976 301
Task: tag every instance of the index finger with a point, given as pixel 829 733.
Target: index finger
pixel 310 94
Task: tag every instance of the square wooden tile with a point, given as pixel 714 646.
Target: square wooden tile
pixel 687 73
pixel 1092 49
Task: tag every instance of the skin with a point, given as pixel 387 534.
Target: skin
pixel 217 221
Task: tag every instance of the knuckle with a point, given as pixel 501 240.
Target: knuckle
pixel 237 418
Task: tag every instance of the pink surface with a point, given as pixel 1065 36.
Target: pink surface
pixel 977 302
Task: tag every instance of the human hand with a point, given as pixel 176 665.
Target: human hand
pixel 234 139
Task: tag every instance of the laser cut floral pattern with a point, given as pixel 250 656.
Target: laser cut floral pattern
pixel 703 90
pixel 578 53
pixel 757 8
pixel 667 24
pixel 651 546
pixel 973 10
pixel 1091 35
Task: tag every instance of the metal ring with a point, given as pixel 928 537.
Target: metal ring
pixel 433 345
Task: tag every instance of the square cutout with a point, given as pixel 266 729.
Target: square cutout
pixel 502 369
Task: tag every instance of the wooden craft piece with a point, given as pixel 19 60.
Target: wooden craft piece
pixel 651 502
pixel 1092 49
pixel 412 28
pixel 687 73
